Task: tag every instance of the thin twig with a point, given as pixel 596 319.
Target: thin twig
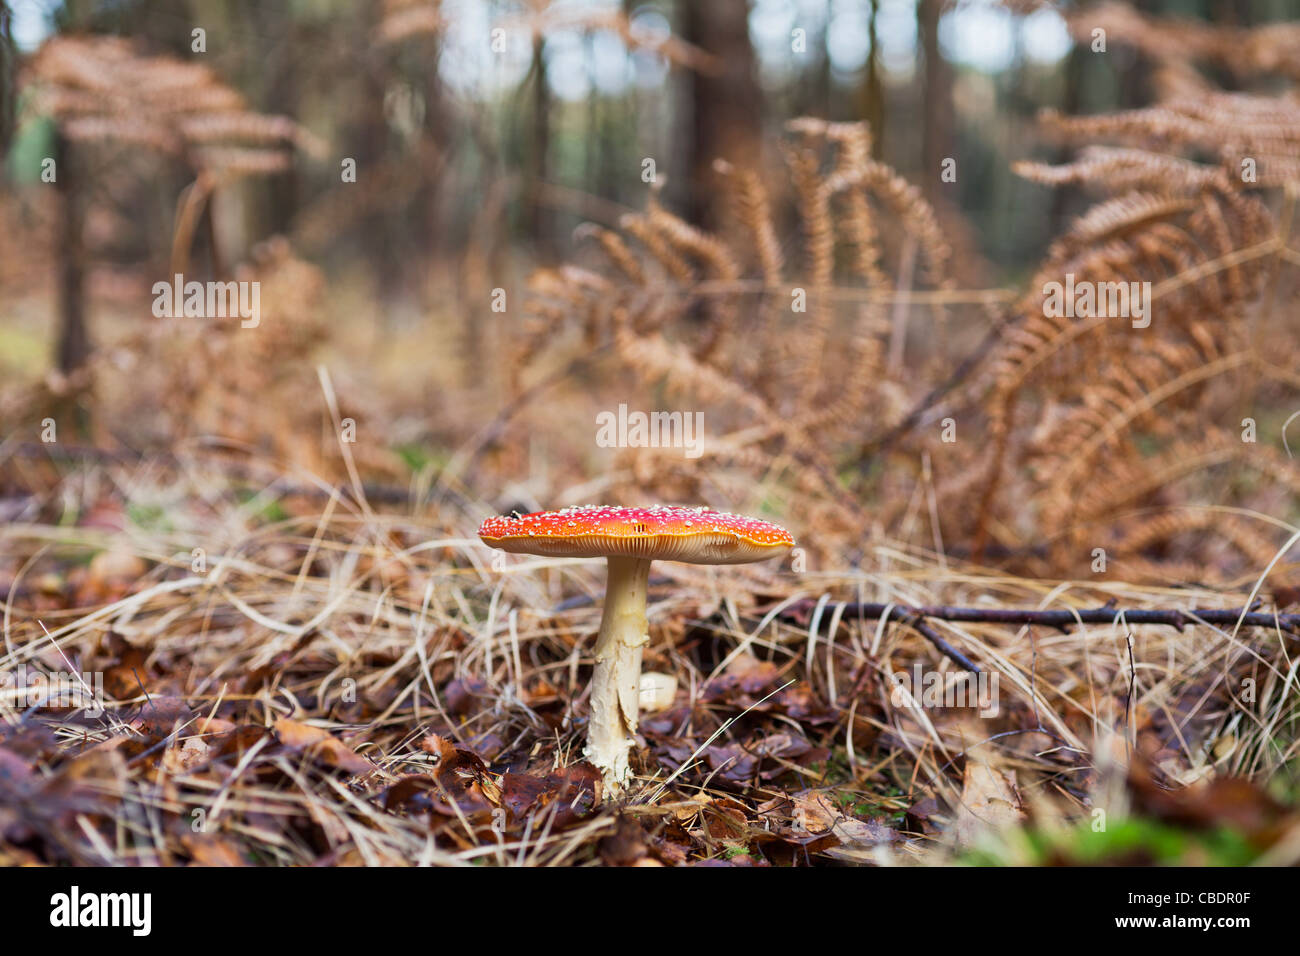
pixel 917 624
pixel 1132 689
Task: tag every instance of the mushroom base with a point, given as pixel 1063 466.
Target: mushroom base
pixel 615 683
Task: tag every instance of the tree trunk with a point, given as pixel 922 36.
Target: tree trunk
pixel 539 148
pixel 8 77
pixel 74 339
pixel 726 105
pixel 438 131
pixel 871 92
pixel 936 141
pixel 373 152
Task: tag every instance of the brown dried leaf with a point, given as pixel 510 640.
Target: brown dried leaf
pixel 989 801
pixel 320 745
pixel 211 850
pixel 626 846
pixel 159 716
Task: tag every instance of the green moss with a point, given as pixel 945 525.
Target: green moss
pixel 1123 842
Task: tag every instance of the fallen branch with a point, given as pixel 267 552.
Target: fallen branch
pixel 1059 618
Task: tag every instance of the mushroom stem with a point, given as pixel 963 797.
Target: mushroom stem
pixel 615 684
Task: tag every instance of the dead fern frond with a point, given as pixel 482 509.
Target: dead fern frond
pixel 1247 52
pixel 99 88
pixel 1134 238
pixel 1143 538
pixel 1131 482
pixel 1116 217
pixel 787 345
pixel 753 210
pixel 1239 128
pixel 614 247
pixel 1198 240
pixel 1121 168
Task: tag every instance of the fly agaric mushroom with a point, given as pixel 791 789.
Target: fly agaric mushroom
pixel 630 538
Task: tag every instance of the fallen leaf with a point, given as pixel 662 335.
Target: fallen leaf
pixel 462 775
pixel 462 696
pixel 320 745
pixel 191 755
pixel 212 850
pixel 110 576
pixel 15 772
pixel 989 801
pixel 1223 802
pixel 859 840
pixel 571 790
pixel 125 672
pixel 626 846
pixel 159 716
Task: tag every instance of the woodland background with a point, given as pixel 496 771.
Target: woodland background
pixel 205 531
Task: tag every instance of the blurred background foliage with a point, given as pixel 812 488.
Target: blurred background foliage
pixel 458 146
pixel 219 139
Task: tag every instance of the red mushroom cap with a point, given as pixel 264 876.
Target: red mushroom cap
pixel 661 532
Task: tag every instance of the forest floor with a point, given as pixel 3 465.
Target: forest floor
pixel 303 679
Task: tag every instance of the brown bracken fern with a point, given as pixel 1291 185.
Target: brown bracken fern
pixel 1075 432
pixel 752 329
